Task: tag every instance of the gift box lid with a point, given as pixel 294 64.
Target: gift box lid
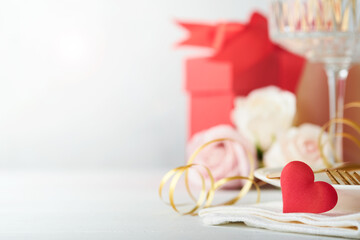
pixel 244 59
pixel 204 75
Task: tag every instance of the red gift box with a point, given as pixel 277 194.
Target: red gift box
pixel 244 59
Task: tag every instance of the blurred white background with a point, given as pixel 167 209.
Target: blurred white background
pixel 97 83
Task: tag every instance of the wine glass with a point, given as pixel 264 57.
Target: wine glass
pixel 324 31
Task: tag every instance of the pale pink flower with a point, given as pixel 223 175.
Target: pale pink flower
pixel 298 143
pixel 224 159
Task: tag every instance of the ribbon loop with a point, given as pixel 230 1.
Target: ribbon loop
pixel 206 196
pixel 211 36
pixel 353 125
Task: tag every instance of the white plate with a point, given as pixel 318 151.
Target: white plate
pixel 348 195
pixel 262 174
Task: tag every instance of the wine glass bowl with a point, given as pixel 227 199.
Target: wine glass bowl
pixel 320 30
pixel 326 31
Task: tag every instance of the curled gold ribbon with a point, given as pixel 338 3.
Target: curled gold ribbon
pixel 175 174
pixel 355 126
pixel 205 198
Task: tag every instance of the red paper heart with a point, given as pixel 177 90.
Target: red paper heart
pixel 301 194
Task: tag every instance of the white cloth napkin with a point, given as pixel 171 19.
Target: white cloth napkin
pixel 270 216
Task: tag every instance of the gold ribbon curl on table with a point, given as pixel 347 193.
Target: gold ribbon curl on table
pixel 355 126
pixel 206 197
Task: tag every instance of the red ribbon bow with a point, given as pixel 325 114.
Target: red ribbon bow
pixel 212 36
pixel 243 44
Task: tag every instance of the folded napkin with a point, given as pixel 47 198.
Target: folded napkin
pixel 270 216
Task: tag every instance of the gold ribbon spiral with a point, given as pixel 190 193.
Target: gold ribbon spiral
pixel 355 126
pixel 206 197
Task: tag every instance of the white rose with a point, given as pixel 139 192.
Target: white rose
pixel 264 114
pixel 300 144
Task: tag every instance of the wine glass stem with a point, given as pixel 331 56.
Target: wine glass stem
pixel 336 83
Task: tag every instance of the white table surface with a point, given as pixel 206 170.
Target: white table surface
pixel 106 204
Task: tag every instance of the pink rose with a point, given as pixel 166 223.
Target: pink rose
pixel 298 143
pixel 224 159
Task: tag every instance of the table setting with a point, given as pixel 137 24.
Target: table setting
pixel 180 119
pixel 257 142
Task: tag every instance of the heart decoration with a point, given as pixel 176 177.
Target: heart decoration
pixel 301 194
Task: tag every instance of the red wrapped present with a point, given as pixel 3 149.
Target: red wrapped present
pixel 243 59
